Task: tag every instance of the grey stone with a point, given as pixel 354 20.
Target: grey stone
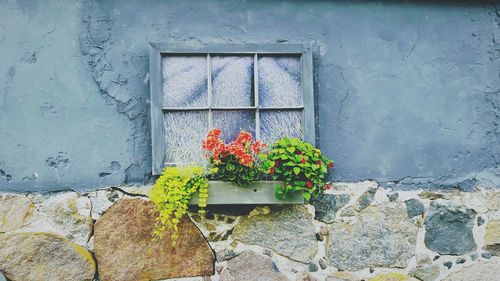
pixel 448 264
pixel 480 221
pixel 365 199
pixel 313 267
pixel 44 256
pixel 449 230
pixel 414 207
pixel 393 196
pixel 288 231
pixel 304 276
pixel 322 263
pixel 482 271
pixel 473 257
pixel 251 266
pixel 219 268
pixel 327 206
pixel 2 277
pixel 225 254
pixel 381 236
pixel 430 195
pixel 460 260
pixel 486 255
pixel 267 252
pixel 428 273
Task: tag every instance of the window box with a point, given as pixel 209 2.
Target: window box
pixel 261 192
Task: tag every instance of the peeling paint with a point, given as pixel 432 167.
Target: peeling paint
pixel 412 102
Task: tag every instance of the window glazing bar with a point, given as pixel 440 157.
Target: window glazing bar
pixel 256 95
pixel 209 77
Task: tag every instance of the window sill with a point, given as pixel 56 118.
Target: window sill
pixel 261 192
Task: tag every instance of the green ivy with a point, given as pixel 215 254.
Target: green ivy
pixel 171 194
pixel 299 165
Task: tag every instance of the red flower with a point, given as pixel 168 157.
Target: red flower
pixel 319 162
pixel 271 171
pixel 303 161
pixel 244 137
pixel 309 184
pixel 299 152
pixel 327 186
pixel 215 133
pixel 276 163
pixel 257 146
pixel 331 165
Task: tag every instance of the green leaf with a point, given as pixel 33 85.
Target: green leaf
pixel 296 170
pixel 290 149
pixel 307 196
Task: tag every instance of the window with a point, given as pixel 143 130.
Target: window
pixel 265 89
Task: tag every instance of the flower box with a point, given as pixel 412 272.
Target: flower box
pixel 259 192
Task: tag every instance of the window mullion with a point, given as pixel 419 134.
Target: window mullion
pixel 209 86
pixel 256 95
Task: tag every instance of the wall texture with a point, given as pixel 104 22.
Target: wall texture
pixel 407 93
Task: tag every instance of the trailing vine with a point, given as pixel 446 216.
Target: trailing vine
pixel 171 194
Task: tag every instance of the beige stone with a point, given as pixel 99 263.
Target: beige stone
pixel 39 256
pixel 69 213
pixel 250 266
pixel 483 271
pixel 494 202
pixel 492 237
pixel 125 250
pixel 341 276
pixel 393 276
pixel 15 211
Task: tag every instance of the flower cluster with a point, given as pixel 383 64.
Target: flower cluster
pixel 299 165
pixel 234 161
pixel 242 148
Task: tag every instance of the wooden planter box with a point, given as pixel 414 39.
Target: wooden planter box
pixel 260 192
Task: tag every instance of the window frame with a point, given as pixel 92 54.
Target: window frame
pixel 158 50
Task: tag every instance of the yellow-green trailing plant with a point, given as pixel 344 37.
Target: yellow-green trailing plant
pixel 171 194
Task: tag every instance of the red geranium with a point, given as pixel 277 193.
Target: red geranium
pixel 242 147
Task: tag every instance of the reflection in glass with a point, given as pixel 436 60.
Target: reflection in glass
pixel 185 81
pixel 184 132
pixel 231 122
pixel 276 124
pixel 279 81
pixel 232 81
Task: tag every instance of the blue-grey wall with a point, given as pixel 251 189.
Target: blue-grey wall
pixel 407 93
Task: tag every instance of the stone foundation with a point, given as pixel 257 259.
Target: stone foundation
pixel 357 231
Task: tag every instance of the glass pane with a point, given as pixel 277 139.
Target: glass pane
pixel 184 132
pixel 232 81
pixel 279 81
pixel 276 124
pixel 231 122
pixel 185 81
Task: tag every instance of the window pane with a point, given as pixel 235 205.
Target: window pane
pixel 231 122
pixel 276 124
pixel 279 81
pixel 185 81
pixel 184 132
pixel 232 81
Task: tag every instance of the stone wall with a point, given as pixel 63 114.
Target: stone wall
pixel 357 231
